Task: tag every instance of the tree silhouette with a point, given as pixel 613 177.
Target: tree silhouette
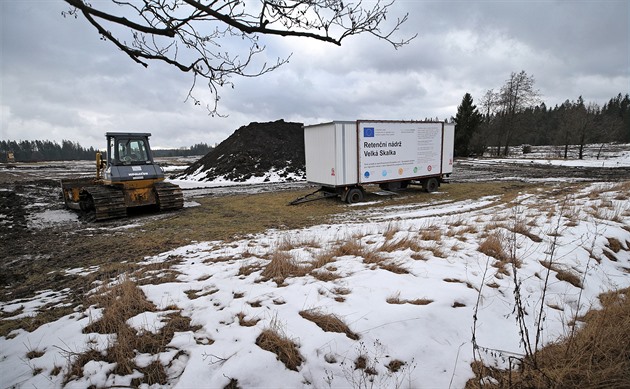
pixel 467 122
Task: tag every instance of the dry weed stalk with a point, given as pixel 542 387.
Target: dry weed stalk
pixel 594 356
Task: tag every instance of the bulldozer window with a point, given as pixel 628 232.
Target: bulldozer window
pixel 132 150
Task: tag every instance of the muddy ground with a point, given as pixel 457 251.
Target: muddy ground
pixel 39 240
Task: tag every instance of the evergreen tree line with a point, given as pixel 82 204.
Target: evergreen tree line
pixel 516 116
pixel 197 149
pixel 45 150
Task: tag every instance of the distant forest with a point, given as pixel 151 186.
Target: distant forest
pixel 515 115
pixel 45 150
pixel 574 123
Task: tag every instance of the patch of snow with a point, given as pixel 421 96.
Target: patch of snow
pixel 50 217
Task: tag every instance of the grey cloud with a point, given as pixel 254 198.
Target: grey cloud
pixel 59 79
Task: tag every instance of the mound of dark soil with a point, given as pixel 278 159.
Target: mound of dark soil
pixel 254 150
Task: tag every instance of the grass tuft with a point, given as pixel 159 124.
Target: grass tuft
pixel 564 274
pixel 242 321
pixel 328 322
pixel 493 246
pixel 285 349
pixel 281 266
pixel 395 299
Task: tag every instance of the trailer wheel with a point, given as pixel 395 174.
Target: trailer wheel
pixel 354 195
pixel 431 185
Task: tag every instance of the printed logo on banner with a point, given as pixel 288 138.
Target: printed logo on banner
pixel 429 168
pixel 400 171
pixel 368 132
pixel 384 173
pixel 367 174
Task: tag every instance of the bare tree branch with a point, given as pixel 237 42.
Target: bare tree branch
pixel 188 34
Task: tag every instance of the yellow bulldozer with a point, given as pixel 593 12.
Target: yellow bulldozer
pixel 126 178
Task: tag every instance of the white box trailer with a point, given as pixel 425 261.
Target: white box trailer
pixel 342 156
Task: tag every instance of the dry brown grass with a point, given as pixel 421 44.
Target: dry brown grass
pixel 523 228
pixel 435 249
pixel 494 246
pixel 610 255
pixel 457 280
pixel 244 322
pixel 328 322
pixel 395 365
pixel 325 275
pixel 395 299
pixel 281 266
pixel 323 258
pixel 285 349
pixel 121 302
pixel 614 245
pixel 564 274
pixel 433 233
pixel 372 257
pixel 196 293
pixel 391 230
pixel 339 291
pixel 419 257
pixel 32 354
pixel 467 230
pixel 248 269
pixel 596 356
pixel 401 244
pixel 348 247
pixel 394 267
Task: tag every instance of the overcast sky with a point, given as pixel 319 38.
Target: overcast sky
pixel 60 81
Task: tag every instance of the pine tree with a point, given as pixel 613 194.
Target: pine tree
pixel 467 121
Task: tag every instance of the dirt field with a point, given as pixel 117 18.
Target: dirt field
pixel 41 240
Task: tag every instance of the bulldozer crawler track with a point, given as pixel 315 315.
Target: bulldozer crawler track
pixel 169 196
pixel 103 203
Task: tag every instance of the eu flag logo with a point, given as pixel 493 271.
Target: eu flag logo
pixel 368 132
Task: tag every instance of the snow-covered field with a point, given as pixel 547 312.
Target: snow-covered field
pixel 407 256
pixel 407 281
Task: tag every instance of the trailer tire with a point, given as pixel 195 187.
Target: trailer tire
pixel 431 185
pixel 354 195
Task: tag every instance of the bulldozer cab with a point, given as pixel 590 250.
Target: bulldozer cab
pixel 129 157
pixel 128 149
